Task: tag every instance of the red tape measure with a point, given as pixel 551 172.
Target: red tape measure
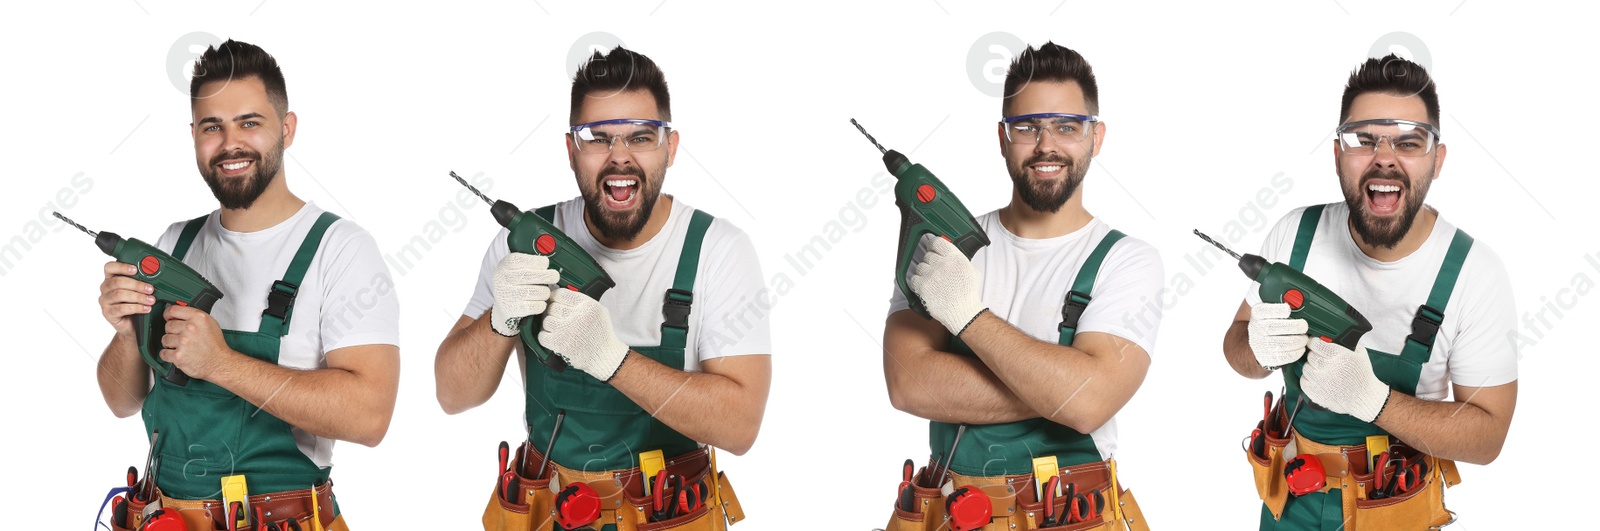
pixel 1305 474
pixel 577 505
pixel 969 508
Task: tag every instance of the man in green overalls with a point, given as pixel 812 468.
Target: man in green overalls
pixel 1038 340
pixel 1440 307
pixel 671 361
pixel 288 361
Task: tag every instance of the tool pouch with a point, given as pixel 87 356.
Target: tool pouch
pixel 928 513
pixel 536 499
pixel 1419 508
pixel 135 516
pixel 1271 485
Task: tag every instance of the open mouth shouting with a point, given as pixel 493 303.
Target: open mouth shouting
pixel 1385 197
pixel 622 192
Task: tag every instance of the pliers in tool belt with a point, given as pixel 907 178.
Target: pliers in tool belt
pixel 690 499
pixel 1085 507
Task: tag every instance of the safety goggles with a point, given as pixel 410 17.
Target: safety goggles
pixel 637 135
pixel 1405 138
pixel 1064 128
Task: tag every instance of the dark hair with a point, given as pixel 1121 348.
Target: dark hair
pixel 620 70
pixel 1395 76
pixel 240 60
pixel 1051 62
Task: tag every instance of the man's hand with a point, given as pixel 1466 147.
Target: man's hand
pixel 949 285
pixel 1275 338
pixel 521 287
pixel 122 297
pixel 1342 381
pixel 194 341
pixel 579 329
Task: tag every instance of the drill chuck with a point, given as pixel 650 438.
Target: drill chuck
pixel 108 242
pixel 504 212
pixel 895 161
pixel 1252 265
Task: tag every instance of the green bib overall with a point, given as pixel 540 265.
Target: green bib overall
pixel 1009 448
pixel 1402 372
pixel 604 429
pixel 207 432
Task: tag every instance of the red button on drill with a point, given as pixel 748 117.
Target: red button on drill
pixel 1294 298
pixel 926 193
pixel 150 265
pixel 545 244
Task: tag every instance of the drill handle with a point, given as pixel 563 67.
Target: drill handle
pixel 147 331
pixel 530 339
pixel 912 227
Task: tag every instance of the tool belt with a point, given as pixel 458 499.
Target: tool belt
pixel 621 493
pixel 1016 505
pixel 1348 469
pixel 212 514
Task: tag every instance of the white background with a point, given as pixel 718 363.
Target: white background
pixel 1205 103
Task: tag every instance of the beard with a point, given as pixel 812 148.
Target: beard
pixel 1048 196
pixel 1385 232
pixel 240 192
pixel 623 225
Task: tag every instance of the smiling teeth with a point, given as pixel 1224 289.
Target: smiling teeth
pixel 235 166
pixel 1046 169
pixel 1383 188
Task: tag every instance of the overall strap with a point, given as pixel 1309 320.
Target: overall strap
pixel 677 304
pixel 1302 239
pixel 548 212
pixel 1078 298
pixel 185 238
pixel 280 300
pixel 1425 326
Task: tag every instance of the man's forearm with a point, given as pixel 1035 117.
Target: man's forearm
pixel 333 403
pixel 1048 377
pixel 124 380
pixel 469 364
pixel 1236 347
pixel 946 387
pixel 1463 431
pixel 709 408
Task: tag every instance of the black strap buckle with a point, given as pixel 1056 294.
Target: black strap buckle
pixel 1425 326
pixel 280 299
pixel 675 308
pixel 1073 308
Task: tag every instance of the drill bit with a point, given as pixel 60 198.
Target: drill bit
pixel 868 135
pixel 1218 244
pixel 75 224
pixel 469 187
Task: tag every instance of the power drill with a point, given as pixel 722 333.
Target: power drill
pixel 1326 315
pixel 174 283
pixel 531 234
pixel 926 206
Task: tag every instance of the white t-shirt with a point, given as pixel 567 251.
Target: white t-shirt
pixel 1472 348
pixel 346 298
pixel 1025 282
pixel 728 317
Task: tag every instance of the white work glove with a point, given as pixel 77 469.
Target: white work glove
pixel 1342 381
pixel 948 284
pixel 521 289
pixel 1275 338
pixel 579 329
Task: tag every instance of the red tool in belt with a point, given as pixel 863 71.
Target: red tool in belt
pixel 577 505
pixel 906 500
pixel 164 520
pixel 1305 474
pixel 658 507
pixel 968 508
pixel 506 479
pixel 1050 501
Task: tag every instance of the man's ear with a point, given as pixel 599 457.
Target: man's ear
pixel 1099 137
pixel 291 123
pixel 1438 162
pixel 572 155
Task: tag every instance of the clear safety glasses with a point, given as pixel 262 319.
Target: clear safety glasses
pixel 1064 128
pixel 636 135
pixel 1405 137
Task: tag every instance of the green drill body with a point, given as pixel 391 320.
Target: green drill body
pixel 174 283
pixel 532 234
pixel 926 207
